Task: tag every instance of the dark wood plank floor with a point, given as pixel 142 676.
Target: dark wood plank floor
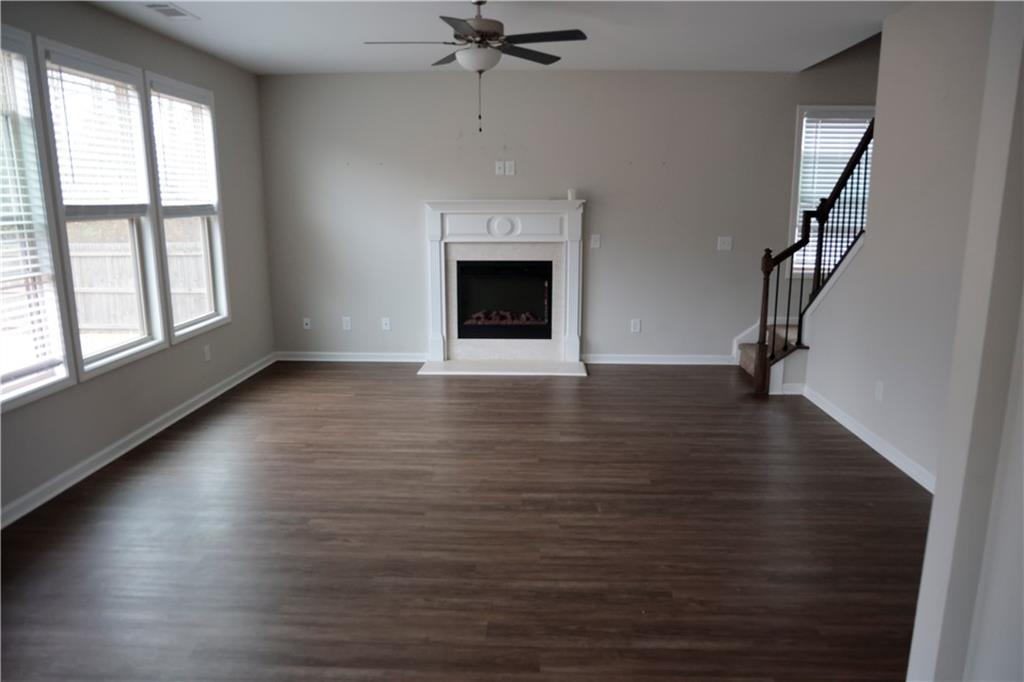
pixel 357 522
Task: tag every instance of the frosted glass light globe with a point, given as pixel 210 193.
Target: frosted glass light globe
pixel 478 59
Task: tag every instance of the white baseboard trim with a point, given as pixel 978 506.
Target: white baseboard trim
pixel 898 458
pixel 315 356
pixel 14 510
pixel 617 359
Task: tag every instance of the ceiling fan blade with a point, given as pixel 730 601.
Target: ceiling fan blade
pixel 546 37
pixel 461 26
pixel 407 42
pixel 529 55
pixel 448 59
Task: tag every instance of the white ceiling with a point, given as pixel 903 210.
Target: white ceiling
pixel 323 37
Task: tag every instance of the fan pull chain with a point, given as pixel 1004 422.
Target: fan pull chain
pixel 480 101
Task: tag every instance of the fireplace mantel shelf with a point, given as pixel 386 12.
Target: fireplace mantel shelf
pixel 501 221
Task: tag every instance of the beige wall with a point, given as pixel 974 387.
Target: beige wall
pixel 667 162
pixel 47 437
pixel 891 314
pixel 997 627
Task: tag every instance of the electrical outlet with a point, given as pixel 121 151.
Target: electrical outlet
pixel 307 323
pixel 725 243
pixel 510 168
pixel 385 324
pixel 595 241
pixel 634 326
pixel 499 167
pixel 346 323
pixel 207 355
pixel 879 391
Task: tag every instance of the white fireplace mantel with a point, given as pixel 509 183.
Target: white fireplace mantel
pixel 505 221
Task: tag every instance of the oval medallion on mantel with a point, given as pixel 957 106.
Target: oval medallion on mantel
pixel 503 226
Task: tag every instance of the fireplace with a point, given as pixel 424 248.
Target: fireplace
pixel 504 287
pixel 504 299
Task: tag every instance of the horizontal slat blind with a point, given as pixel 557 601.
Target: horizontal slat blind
pixel 184 151
pixel 97 125
pixel 30 334
pixel 827 143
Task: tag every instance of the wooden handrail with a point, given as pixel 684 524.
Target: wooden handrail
pixel 805 238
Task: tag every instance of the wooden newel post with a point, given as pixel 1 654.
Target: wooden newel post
pixel 761 362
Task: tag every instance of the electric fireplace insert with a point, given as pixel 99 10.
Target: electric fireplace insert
pixel 504 299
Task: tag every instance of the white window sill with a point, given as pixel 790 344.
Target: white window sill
pixel 131 354
pixel 202 326
pixel 16 400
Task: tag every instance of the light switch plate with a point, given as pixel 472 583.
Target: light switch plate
pixel 510 168
pixel 346 323
pixel 385 324
pixel 634 326
pixel 499 167
pixel 725 243
pixel 595 241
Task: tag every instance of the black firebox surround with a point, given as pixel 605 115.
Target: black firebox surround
pixel 531 279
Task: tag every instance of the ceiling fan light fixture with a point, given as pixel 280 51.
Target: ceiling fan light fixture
pixel 478 58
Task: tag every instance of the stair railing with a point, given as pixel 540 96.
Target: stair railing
pixel 841 218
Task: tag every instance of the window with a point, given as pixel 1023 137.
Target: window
pixel 187 171
pixel 31 333
pixel 105 272
pixel 188 268
pixel 828 137
pixel 115 248
pixel 96 117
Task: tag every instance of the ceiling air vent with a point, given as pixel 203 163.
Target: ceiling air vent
pixel 170 10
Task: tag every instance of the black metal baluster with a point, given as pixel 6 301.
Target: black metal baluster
pixel 854 205
pixel 864 178
pixel 855 190
pixel 835 219
pixel 853 213
pixel 775 318
pixel 800 311
pixel 789 304
pixel 844 218
pixel 847 218
pixel 837 235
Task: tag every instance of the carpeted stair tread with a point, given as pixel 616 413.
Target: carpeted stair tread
pixel 748 351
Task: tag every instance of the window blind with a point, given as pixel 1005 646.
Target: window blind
pixel 184 151
pixel 30 334
pixel 97 126
pixel 828 140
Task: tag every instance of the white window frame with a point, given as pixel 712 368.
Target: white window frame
pixel 16 40
pixel 837 110
pixel 147 227
pixel 212 213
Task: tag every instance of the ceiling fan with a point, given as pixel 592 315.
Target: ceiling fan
pixel 481 42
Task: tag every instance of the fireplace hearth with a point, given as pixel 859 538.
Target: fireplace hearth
pixel 504 299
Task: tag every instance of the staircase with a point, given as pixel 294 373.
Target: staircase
pixel 802 271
